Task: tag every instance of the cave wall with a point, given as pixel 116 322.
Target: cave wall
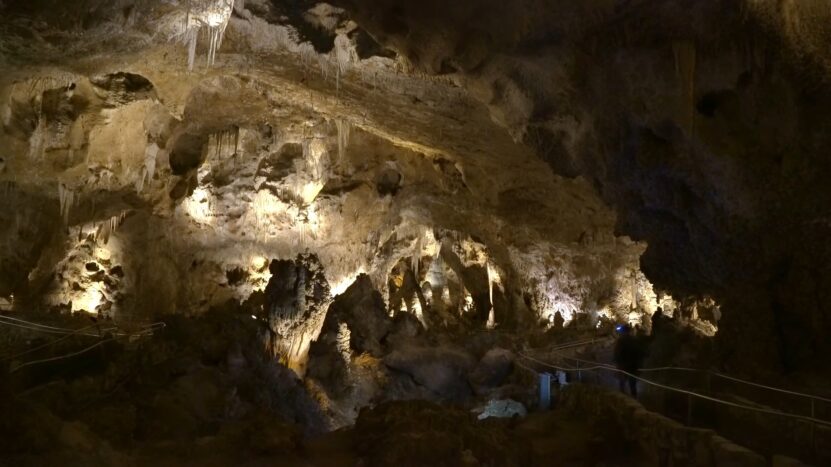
pixel 316 138
pixel 702 123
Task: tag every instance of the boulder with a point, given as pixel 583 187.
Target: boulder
pixel 442 370
pixel 492 370
pixel 362 308
pixel 502 408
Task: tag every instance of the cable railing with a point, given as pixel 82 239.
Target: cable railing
pixel 105 334
pixel 601 366
pixel 558 350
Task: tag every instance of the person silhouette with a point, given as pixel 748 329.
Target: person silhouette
pixel 628 355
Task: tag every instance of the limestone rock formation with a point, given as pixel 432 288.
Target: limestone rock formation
pixel 296 299
pixel 700 123
pixel 390 200
pixel 332 153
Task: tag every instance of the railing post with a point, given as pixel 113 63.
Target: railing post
pixel 545 391
pixel 579 373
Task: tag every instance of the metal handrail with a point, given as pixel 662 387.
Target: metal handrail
pixel 683 391
pixel 711 372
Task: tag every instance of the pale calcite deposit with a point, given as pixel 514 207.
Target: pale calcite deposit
pixel 276 150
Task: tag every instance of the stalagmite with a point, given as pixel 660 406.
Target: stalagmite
pixel 37 140
pixel 344 338
pixel 150 154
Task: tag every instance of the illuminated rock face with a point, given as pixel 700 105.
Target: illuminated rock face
pixel 296 300
pixel 702 124
pixel 193 183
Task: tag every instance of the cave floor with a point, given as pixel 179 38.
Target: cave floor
pixel 554 438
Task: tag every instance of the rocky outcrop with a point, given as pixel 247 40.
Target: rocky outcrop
pixel 702 124
pixel 296 299
pixel 203 387
pixel 442 371
pixel 492 370
pixel 361 308
pixel 333 152
pixel 415 433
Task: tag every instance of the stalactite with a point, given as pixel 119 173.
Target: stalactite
pixel 66 198
pixel 108 227
pixel 301 232
pixel 324 72
pixel 417 254
pixel 223 144
pixel 313 152
pixel 344 132
pixel 307 53
pixel 211 14
pixel 36 140
pixel 149 168
pixel 491 314
pixel 8 186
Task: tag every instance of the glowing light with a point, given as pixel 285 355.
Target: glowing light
pixel 259 262
pixel 261 274
pixel 419 313
pixel 89 300
pixel 343 284
pixel 310 191
pixel 565 310
pixel 667 303
pixel 313 152
pixel 103 253
pixel 198 206
pixel 467 306
pixel 313 218
pixel 493 276
pixel 265 203
pixel 214 18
